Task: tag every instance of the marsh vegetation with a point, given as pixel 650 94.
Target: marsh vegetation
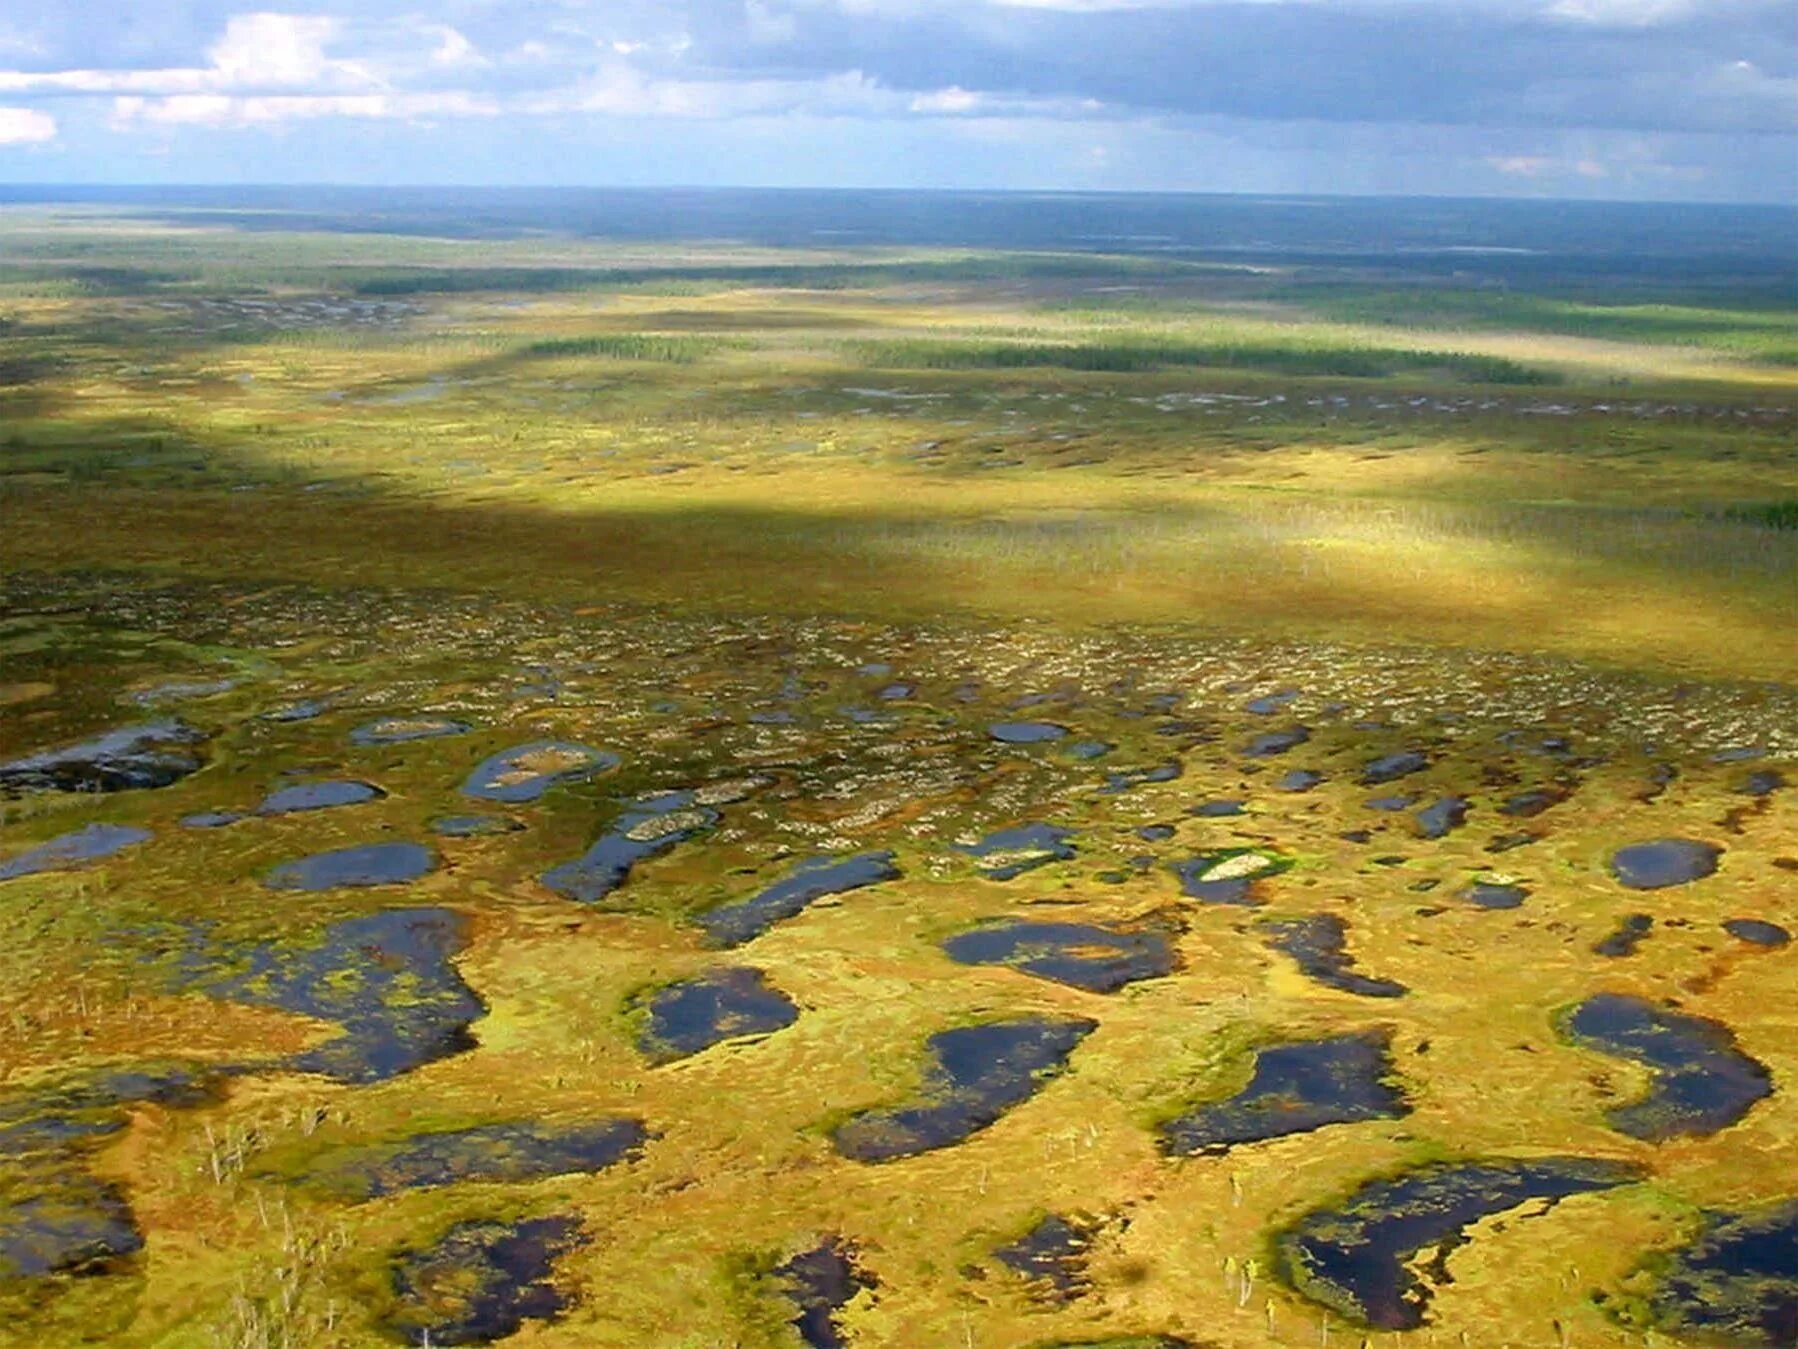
pixel 646 792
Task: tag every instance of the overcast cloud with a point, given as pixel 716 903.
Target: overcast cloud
pixel 1622 98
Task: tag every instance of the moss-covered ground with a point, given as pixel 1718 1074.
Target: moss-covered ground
pixel 787 531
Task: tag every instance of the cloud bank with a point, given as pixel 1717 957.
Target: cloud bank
pixel 1589 97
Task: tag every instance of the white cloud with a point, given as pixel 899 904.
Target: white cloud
pixel 621 90
pixel 1548 166
pixel 1523 166
pixel 455 51
pixel 26 126
pixel 1622 13
pixel 256 52
pixel 952 100
pixel 267 68
pixel 272 51
pixel 266 52
pixel 227 111
pixel 974 63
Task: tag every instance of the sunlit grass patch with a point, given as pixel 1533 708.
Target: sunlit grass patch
pixel 1294 356
pixel 665 347
pixel 1750 332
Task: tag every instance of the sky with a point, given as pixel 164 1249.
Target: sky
pixel 1625 99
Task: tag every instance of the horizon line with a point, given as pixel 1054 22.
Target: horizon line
pixel 1216 193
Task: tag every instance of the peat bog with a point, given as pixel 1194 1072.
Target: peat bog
pixel 645 793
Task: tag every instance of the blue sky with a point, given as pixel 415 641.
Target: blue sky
pixel 1648 99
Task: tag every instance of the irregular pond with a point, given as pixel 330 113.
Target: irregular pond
pixel 1217 810
pixel 1736 1282
pixel 387 979
pixel 182 691
pixel 820 1283
pixel 365 864
pixel 649 825
pixel 811 880
pixel 1272 743
pixel 306 709
pixel 1270 704
pixel 154 754
pixel 1296 1088
pixel 400 730
pixel 1739 754
pixel 979 1073
pixel 725 1004
pixel 1494 895
pixel 1664 862
pixel 68 851
pixel 58 1117
pixel 523 773
pixel 1011 852
pixel 1527 805
pixel 1391 804
pixel 1392 767
pixel 1631 930
pixel 511 1153
pixel 1318 944
pixel 1701 1083
pixel 481 1281
pixel 1762 783
pixel 1052 1256
pixel 1299 780
pixel 65 1223
pixel 318 796
pixel 1026 732
pixel 1361 1258
pixel 1229 876
pixel 1084 955
pixel 1128 779
pixel 1757 932
pixel 1442 818
pixel 212 819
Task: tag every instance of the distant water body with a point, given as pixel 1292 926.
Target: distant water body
pixel 1459 234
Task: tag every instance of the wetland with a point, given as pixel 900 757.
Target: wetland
pixel 626 792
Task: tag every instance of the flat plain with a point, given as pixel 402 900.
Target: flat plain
pixel 675 791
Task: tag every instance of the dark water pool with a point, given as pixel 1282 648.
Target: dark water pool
pixel 978 1073
pixel 1296 1088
